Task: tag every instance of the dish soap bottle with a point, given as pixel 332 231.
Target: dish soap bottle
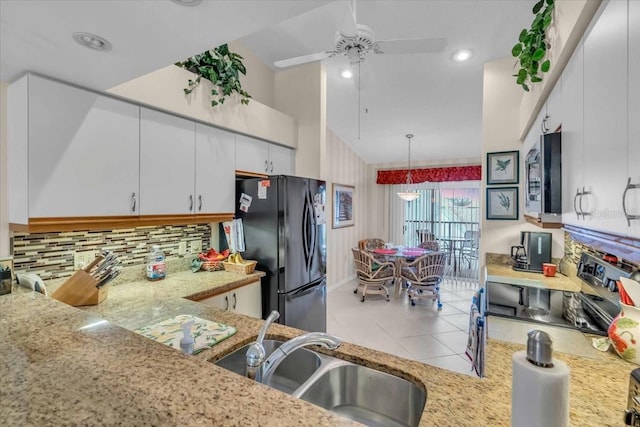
pixel 186 343
pixel 540 385
pixel 156 267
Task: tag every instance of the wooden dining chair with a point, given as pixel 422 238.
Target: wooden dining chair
pixel 372 273
pixel 424 276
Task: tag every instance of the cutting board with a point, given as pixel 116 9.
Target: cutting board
pixel 206 333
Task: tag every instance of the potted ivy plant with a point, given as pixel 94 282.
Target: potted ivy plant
pixel 220 66
pixel 532 46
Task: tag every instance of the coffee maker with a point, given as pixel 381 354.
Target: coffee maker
pixel 533 251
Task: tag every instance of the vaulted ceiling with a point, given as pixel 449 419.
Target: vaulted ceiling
pixel 428 94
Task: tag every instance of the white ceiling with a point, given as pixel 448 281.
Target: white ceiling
pixel 425 94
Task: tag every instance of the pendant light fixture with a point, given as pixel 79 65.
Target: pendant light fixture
pixel 409 195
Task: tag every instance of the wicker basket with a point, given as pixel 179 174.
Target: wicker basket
pixel 246 267
pixel 212 266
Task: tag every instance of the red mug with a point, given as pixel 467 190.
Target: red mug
pixel 549 269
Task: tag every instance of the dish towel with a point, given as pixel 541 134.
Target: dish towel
pixel 205 333
pixel 476 341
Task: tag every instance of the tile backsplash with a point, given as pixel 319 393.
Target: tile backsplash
pixel 50 255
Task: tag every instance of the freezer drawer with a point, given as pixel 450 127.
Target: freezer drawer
pixel 305 308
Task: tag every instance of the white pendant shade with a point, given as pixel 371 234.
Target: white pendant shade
pixel 409 195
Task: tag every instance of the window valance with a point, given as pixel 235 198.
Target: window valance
pixel 451 173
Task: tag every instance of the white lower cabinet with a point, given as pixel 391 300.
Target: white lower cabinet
pixel 245 300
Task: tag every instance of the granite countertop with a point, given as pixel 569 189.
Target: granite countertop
pixel 63 365
pixel 505 274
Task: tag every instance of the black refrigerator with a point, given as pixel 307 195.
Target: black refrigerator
pixel 283 218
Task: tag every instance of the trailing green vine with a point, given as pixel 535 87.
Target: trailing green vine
pixel 532 46
pixel 220 66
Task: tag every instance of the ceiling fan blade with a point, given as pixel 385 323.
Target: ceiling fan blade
pixel 412 46
pixel 346 23
pixel 290 62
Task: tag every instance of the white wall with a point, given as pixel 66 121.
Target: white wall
pixel 301 93
pixel 501 132
pixel 259 80
pixel 348 169
pixel 4 209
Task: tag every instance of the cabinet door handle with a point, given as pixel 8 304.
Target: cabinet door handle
pixel 266 165
pixel 235 300
pixel 190 202
pixel 133 202
pixel 271 163
pixel 575 198
pixel 629 186
pixel 226 302
pixel 582 212
pixel 199 202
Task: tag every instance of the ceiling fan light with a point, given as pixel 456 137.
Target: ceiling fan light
pixel 188 3
pixel 347 74
pixel 462 55
pixel 408 196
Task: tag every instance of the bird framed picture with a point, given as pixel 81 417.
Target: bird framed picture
pixel 503 167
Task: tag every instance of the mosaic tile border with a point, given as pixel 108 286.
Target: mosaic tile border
pixel 50 255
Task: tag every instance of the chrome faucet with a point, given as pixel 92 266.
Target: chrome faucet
pixel 259 369
pixel 310 338
pixel 256 353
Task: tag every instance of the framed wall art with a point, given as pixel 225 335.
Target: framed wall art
pixel 502 203
pixel 343 206
pixel 503 167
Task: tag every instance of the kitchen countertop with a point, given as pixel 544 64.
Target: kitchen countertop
pixel 62 365
pixel 505 274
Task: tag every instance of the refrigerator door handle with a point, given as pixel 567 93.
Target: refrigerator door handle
pixel 305 232
pixel 312 226
pixel 306 290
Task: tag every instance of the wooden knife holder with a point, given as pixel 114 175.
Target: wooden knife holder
pixel 81 290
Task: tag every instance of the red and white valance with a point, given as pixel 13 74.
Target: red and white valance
pixel 451 173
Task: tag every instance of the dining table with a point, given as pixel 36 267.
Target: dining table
pixel 398 254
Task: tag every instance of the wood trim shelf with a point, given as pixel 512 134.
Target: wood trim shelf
pixel 102 223
pixel 249 174
pixel 538 222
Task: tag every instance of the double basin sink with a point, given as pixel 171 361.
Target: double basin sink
pixel 357 392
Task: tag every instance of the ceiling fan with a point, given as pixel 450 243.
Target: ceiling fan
pixel 356 41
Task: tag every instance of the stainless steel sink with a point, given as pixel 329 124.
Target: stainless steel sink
pixel 367 396
pixel 288 377
pixel 353 391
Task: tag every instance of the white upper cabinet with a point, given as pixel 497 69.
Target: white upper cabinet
pixel 573 141
pixel 253 155
pixel 281 160
pixel 167 164
pixel 215 171
pixel 605 117
pixel 632 201
pixel 80 149
pixel 553 108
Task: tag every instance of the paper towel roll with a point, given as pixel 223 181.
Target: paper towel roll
pixel 539 396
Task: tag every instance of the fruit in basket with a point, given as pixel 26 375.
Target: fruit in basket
pixel 236 258
pixel 213 255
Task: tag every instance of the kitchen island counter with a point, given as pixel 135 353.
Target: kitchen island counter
pixel 63 365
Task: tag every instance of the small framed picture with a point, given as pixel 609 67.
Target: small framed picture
pixel 502 203
pixel 503 167
pixel 343 206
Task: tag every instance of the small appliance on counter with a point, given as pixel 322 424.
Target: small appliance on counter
pixel 534 251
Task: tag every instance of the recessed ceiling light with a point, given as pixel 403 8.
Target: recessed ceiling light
pixel 92 41
pixel 462 55
pixel 188 2
pixel 347 74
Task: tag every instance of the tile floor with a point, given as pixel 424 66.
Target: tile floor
pixel 414 332
pixel 422 333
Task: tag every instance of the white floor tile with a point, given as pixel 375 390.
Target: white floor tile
pixel 424 347
pixel 454 363
pixel 456 341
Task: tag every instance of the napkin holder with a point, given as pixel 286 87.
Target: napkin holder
pixel 81 289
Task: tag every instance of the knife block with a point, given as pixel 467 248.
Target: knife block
pixel 80 290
